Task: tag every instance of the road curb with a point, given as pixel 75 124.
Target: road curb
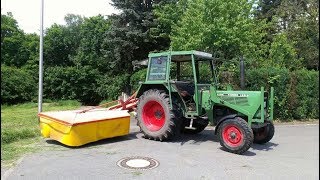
pixel 10 170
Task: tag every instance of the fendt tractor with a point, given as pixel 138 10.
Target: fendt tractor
pixel 180 94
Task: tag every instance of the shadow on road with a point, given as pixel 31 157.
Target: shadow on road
pixel 196 139
pixel 247 153
pixel 264 147
pixel 182 139
pixel 130 136
pixel 261 147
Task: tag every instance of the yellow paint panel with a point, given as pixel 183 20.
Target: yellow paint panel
pixel 80 134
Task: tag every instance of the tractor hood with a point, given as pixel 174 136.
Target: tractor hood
pixel 250 103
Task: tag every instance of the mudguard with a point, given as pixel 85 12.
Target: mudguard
pixel 231 116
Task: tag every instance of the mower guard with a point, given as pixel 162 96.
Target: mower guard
pixel 76 127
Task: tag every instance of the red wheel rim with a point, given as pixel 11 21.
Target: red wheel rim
pixel 153 115
pixel 232 136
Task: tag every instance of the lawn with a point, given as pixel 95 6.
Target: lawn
pixel 20 132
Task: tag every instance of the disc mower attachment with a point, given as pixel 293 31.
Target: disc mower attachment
pixel 79 127
pixel 74 128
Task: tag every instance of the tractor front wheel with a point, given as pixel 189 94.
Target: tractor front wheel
pixel 154 116
pixel 235 135
pixel 264 134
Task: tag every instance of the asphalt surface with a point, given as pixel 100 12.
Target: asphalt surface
pixel 293 153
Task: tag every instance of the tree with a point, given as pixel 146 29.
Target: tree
pixel 62 41
pixel 13 52
pixel 31 45
pixel 297 20
pixel 167 15
pixel 129 37
pixel 266 9
pixel 219 27
pixel 89 52
pixel 300 19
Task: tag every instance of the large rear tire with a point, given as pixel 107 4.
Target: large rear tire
pixel 264 134
pixel 154 117
pixel 235 135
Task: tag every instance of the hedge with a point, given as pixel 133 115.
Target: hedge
pixel 85 84
pixel 296 92
pixel 137 77
pixel 78 83
pixel 17 85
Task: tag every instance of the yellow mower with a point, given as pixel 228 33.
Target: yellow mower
pixel 79 127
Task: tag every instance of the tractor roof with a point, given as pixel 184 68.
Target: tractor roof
pixel 183 55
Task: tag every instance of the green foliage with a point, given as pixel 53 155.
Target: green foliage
pixel 272 77
pixel 223 28
pixel 307 94
pixel 57 46
pixel 111 87
pixel 129 37
pixel 228 74
pixel 17 85
pixel 72 83
pixel 299 21
pixel 13 50
pixel 167 15
pixel 303 29
pixel 137 77
pixel 283 54
pixel 89 52
pixel 296 92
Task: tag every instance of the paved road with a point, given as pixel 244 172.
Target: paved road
pixel 292 154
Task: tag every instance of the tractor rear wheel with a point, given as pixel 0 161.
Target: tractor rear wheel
pixel 154 116
pixel 197 127
pixel 235 135
pixel 264 134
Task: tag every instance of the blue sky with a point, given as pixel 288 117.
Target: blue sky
pixel 27 12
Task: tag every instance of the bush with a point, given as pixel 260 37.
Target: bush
pixel 307 94
pixel 296 92
pixel 136 77
pixel 110 87
pixel 272 77
pixel 79 83
pixel 17 85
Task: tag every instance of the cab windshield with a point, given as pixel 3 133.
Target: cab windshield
pixel 158 68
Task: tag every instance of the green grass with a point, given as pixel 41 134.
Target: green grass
pixel 20 131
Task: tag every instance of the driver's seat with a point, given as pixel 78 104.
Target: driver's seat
pixel 185 89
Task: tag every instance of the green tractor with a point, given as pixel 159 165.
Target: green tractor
pixel 180 95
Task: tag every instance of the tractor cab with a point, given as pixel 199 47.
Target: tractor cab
pixel 186 71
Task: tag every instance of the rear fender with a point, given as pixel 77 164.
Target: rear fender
pixel 145 87
pixel 231 116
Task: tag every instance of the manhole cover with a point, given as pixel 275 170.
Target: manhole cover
pixel 138 162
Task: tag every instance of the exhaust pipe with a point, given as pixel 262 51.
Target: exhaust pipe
pixel 242 84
